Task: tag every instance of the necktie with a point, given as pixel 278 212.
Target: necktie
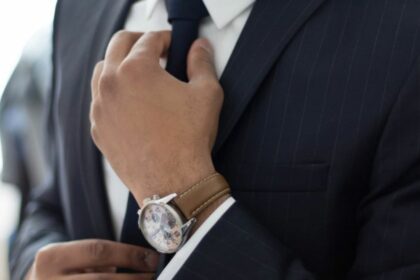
pixel 185 17
pixel 131 233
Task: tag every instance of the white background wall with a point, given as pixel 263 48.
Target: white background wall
pixel 19 20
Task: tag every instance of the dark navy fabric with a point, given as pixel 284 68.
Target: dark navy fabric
pixel 319 138
pixel 130 232
pixel 185 17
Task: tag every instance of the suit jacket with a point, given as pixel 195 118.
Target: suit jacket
pixel 319 138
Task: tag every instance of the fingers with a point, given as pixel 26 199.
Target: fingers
pixel 201 72
pixel 152 45
pixel 111 276
pixel 78 255
pixel 95 78
pixel 119 47
pixel 100 270
pixel 117 50
pixel 200 65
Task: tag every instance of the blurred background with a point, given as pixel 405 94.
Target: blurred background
pixel 25 30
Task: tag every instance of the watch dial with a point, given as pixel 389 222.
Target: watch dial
pixel 161 228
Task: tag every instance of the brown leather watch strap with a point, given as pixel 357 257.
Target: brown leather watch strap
pixel 200 195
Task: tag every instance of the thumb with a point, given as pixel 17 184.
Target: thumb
pixel 200 65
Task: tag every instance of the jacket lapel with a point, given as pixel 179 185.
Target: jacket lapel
pixel 110 18
pixel 270 27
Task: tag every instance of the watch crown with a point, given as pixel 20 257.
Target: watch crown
pixel 155 197
pixel 186 228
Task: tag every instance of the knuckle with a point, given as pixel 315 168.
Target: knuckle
pixel 134 68
pixel 45 255
pixel 98 66
pixel 154 39
pixel 40 258
pixel 201 55
pixel 213 87
pixel 94 134
pixel 95 110
pixel 107 83
pixel 98 249
pixel 95 116
pixel 126 68
pixel 213 92
pixel 121 34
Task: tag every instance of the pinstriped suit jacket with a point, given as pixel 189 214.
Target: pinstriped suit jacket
pixel 319 138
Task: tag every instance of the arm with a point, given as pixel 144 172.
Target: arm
pixel 238 247
pixel 168 129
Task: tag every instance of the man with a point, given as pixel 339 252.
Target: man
pixel 318 138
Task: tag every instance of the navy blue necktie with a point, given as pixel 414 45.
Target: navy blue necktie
pixel 185 17
pixel 131 233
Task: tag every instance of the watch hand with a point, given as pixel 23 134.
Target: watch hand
pixel 162 229
pixel 155 233
pixel 166 234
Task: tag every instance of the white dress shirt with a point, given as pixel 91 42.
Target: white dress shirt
pixel 222 28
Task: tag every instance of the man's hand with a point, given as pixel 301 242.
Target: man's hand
pixel 156 131
pixel 92 259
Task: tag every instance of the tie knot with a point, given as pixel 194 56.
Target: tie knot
pixel 186 10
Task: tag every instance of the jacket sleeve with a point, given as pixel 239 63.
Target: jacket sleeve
pixel 238 247
pixel 43 223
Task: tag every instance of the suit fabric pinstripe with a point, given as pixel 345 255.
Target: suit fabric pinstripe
pixel 319 138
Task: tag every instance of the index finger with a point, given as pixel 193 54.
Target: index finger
pixel 97 71
pixel 119 46
pixel 77 255
pixel 152 45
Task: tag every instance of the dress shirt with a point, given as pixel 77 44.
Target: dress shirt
pixel 222 28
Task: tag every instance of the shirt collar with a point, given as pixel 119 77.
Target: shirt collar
pixel 222 12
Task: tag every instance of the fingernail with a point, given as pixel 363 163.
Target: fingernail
pixel 205 44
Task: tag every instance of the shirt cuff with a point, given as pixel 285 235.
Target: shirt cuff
pixel 184 253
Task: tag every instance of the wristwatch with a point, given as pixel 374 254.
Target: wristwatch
pixel 167 222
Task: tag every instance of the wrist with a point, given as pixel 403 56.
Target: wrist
pixel 174 177
pixel 183 212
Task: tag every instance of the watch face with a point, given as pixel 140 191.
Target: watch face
pixel 161 226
